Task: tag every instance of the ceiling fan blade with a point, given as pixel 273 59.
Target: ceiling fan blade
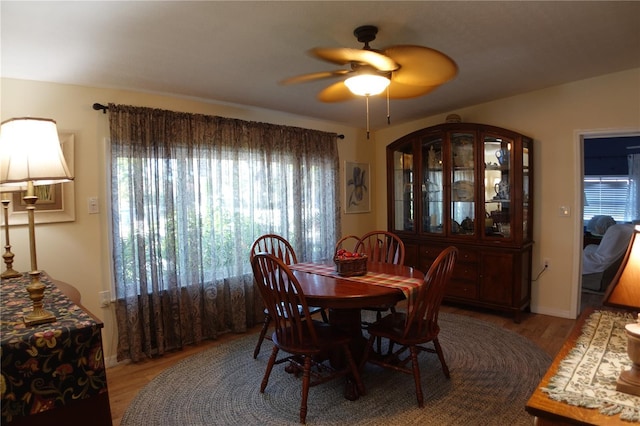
pixel 421 66
pixel 337 92
pixel 406 91
pixel 344 55
pixel 314 76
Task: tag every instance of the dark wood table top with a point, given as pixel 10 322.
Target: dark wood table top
pixel 551 412
pixel 345 293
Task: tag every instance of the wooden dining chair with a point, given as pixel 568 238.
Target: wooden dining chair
pixel 307 341
pixel 418 326
pixel 282 249
pixel 383 247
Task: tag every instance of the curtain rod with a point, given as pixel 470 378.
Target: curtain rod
pixel 98 107
pixel 104 109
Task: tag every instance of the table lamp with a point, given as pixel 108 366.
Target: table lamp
pixel 8 256
pixel 30 155
pixel 624 292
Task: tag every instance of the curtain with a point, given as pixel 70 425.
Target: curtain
pixel 633 204
pixel 190 194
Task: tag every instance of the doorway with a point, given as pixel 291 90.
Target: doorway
pixel 603 158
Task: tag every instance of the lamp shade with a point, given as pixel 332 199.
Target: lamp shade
pixel 624 290
pixel 367 84
pixel 30 152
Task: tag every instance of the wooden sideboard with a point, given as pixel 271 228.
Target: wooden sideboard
pixel 549 412
pixel 53 374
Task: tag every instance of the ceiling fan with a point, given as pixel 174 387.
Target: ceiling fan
pixel 404 71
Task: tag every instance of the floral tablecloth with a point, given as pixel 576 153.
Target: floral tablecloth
pixel 48 365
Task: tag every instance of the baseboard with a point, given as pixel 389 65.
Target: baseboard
pixel 111 361
pixel 552 312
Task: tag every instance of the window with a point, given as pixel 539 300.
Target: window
pixel 203 212
pixel 606 195
pixel 190 194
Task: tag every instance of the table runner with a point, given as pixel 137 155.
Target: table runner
pixel 409 286
pixel 587 376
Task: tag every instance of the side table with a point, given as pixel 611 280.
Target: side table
pixel 551 412
pixel 51 373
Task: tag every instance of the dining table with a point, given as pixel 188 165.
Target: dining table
pixel 344 297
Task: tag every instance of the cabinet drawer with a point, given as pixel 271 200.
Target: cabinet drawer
pixel 467 256
pixel 462 288
pixel 426 256
pixel 465 272
pixel 429 253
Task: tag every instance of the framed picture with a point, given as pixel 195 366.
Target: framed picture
pixel 357 178
pixel 56 203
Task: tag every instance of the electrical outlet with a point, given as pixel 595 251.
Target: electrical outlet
pixel 546 263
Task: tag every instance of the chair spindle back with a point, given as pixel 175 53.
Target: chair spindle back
pixel 382 246
pixel 277 246
pixel 284 300
pixel 422 311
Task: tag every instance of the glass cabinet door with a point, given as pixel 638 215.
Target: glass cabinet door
pixel 497 191
pixel 462 184
pixel 403 194
pixel 526 191
pixel 432 187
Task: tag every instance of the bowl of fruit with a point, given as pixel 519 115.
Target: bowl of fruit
pixel 350 264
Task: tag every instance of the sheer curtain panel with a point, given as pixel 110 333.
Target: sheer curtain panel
pixel 190 194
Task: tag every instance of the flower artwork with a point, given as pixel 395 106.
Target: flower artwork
pixel 357 187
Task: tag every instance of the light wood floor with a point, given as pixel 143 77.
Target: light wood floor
pixel 125 381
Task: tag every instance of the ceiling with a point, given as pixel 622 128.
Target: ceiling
pixel 237 52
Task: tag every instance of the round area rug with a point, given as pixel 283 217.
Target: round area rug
pixel 493 373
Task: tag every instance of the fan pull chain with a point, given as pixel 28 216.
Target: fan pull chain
pixel 388 108
pixel 367 99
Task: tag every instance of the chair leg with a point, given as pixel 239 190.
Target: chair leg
pixel 445 369
pixel 416 375
pixel 354 370
pixel 379 339
pixel 306 380
pixel 390 347
pixel 367 352
pixel 267 373
pixel 263 332
pixel 325 318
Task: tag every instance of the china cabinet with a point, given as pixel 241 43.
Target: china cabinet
pixel 471 186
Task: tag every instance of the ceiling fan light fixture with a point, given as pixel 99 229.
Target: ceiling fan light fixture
pixel 367 84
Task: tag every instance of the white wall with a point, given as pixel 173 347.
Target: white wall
pixel 78 252
pixel 554 118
